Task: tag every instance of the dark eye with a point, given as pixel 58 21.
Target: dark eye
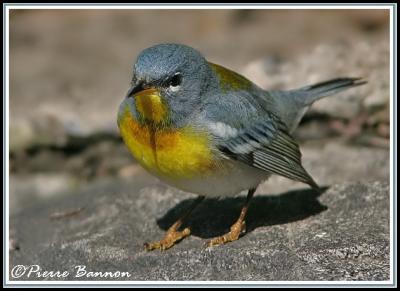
pixel 176 80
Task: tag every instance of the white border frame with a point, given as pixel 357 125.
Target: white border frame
pixel 393 143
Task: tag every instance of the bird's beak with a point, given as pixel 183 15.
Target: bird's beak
pixel 148 102
pixel 135 89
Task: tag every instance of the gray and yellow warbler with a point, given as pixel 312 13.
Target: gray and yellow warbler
pixel 207 130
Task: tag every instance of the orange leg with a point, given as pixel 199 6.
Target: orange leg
pixel 237 228
pixel 172 235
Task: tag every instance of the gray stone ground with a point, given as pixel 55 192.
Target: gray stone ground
pixel 70 70
pixel 293 233
pixel 297 235
pixel 78 198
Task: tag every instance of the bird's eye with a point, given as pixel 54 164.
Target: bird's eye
pixel 175 81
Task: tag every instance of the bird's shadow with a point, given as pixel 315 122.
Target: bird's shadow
pixel 214 216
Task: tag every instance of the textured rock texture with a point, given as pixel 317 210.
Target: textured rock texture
pixel 342 234
pixel 368 60
pixel 78 198
pixel 70 69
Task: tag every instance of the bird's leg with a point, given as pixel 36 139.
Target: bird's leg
pixel 237 228
pixel 172 235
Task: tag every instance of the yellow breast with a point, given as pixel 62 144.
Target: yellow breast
pixel 171 153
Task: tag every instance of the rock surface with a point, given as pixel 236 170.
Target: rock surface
pixel 77 197
pixel 329 61
pixel 293 234
pixel 342 234
pixel 48 174
pixel 69 69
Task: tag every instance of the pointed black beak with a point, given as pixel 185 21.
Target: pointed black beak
pixel 135 89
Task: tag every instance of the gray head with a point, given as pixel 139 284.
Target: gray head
pixel 179 73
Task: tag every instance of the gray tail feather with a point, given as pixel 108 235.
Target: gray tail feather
pixel 307 95
pixel 292 105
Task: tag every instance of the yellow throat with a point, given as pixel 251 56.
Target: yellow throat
pixel 150 106
pixel 174 153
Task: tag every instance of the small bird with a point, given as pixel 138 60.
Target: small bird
pixel 207 130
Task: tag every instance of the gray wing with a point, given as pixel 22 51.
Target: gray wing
pixel 267 145
pixel 246 130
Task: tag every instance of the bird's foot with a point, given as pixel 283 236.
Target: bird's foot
pixel 172 237
pixel 236 229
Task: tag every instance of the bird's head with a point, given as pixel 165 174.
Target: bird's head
pixel 168 83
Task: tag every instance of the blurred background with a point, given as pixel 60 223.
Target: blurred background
pixel 69 70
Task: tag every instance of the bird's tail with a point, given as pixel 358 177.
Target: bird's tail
pixel 292 105
pixel 307 95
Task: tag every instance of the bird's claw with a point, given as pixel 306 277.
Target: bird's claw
pixel 238 228
pixel 170 239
